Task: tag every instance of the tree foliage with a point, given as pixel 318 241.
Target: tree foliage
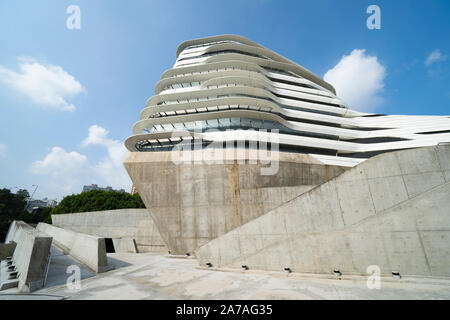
pixel 12 207
pixel 97 200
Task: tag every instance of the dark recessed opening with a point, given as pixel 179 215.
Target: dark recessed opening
pixel 109 245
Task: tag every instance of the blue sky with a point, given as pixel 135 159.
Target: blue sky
pixel 110 67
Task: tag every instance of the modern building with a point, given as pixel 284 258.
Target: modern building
pixel 224 85
pixel 96 187
pixel 196 159
pixel 34 204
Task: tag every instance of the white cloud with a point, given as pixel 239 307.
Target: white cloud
pixel 111 168
pixel 67 172
pixel 97 135
pixel 47 85
pixel 435 56
pixel 2 150
pixel 359 80
pixel 58 162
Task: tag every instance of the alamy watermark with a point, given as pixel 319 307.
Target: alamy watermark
pixel 73 22
pixel 224 147
pixel 374 20
pixel 374 279
pixel 73 282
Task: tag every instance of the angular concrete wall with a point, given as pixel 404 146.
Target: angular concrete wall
pixel 392 211
pixel 30 256
pixel 194 202
pixel 15 231
pixel 7 249
pixel 87 249
pixel 122 223
pixel 125 245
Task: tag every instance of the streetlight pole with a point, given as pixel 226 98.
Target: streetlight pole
pixel 34 190
pixel 31 197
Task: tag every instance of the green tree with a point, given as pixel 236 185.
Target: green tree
pixel 12 207
pixel 36 216
pixel 23 193
pixel 98 200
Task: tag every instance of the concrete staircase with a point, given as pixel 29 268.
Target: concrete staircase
pixel 27 267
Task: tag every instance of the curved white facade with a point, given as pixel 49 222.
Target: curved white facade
pixel 226 85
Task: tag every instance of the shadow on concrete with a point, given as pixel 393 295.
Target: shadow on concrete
pixel 58 272
pixel 31 296
pixel 116 263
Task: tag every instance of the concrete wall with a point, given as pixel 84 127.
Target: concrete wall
pixel 122 223
pixel 392 211
pixel 125 245
pixel 87 249
pixel 7 249
pixel 15 230
pixel 192 203
pixel 30 255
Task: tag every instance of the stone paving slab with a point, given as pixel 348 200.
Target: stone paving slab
pixel 155 276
